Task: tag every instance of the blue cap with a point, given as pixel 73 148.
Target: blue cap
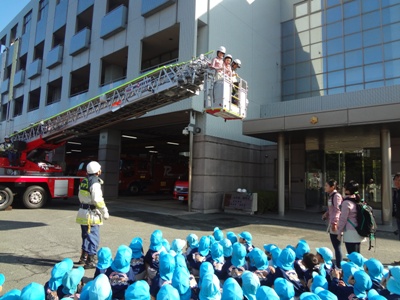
pixel 122 260
pixel 166 245
pixel 309 296
pixel 250 284
pixel 13 294
pixel 33 291
pixel 232 290
pixel 246 236
pixel 375 269
pixel 325 294
pixel 266 293
pixel 357 258
pixel 137 247
pixel 238 254
pixel 104 257
pixel 227 247
pixel 2 279
pixel 71 280
pixel 217 252
pixel 168 292
pixel 156 240
pixel 193 240
pixel 178 245
pixel 348 269
pixel 139 290
pixel 362 284
pixel 210 287
pixel 269 247
pixel 58 272
pixel 374 295
pixel 232 237
pixel 99 289
pixel 180 261
pixel 218 234
pixel 258 259
pixel 181 282
pixel 205 268
pixel 167 266
pixel 319 281
pixel 301 249
pixel 326 254
pixel 393 283
pixel 284 288
pixel 286 259
pixel 204 246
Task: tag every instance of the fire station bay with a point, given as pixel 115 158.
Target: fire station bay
pixel 323 95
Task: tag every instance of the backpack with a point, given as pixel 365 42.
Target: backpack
pixel 366 221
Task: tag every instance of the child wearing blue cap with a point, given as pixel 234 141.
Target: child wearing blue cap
pixel 72 283
pixel 217 259
pixel 120 272
pixel 53 287
pixel 374 269
pixel 238 262
pixel 164 276
pixel 2 280
pixel 192 242
pixel 139 290
pixel 104 261
pixel 137 261
pixel 199 255
pixel 33 291
pixel 246 238
pixel 151 259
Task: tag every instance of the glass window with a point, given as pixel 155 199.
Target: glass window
pixel 352 42
pixel 288 43
pixel 373 72
pixel 288 58
pixel 318 66
pixel 303 54
pixel 288 72
pixel 318 82
pixel 370 5
pixel 376 84
pixel 391 50
pixel 288 28
pixel 316 20
pixel 288 87
pixel 288 98
pixel 303 39
pixel 316 50
pixel 391 32
pixel 392 81
pixel 301 24
pixel 372 54
pixel 371 20
pixel 372 37
pixel 389 2
pixel 353 88
pixel 351 9
pixel 354 75
pixel 335 62
pixel 332 2
pixel 392 68
pixel 316 5
pixel 303 95
pixel 334 30
pixel 336 79
pixel 353 58
pixel 303 69
pixel 316 35
pixel 335 46
pixel 391 15
pixel 303 85
pixel 334 14
pixel 336 91
pixel 352 25
pixel 301 9
pixel 27 22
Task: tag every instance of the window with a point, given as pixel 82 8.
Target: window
pixel 18 105
pixel 27 22
pixel 372 54
pixel 372 37
pixel 373 72
pixel 352 25
pixel 391 32
pixel 334 14
pixel 351 9
pixel 391 14
pixel 354 76
pixel 43 7
pixel 54 91
pixel 34 99
pixel 301 9
pixel 371 20
pixel 370 5
pixel 13 34
pixel 392 69
pixel 352 42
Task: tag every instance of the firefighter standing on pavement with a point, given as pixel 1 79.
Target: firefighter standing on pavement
pixel 91 213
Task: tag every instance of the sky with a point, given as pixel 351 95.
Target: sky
pixel 9 9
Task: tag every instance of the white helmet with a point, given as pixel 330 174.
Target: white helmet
pixel 93 167
pixel 238 62
pixel 228 56
pixel 221 49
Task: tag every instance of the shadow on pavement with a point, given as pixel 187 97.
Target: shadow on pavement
pixel 10 225
pixel 9 258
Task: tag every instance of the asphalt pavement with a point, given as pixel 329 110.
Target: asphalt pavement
pixel 32 241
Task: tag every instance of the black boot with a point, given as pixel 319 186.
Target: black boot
pixel 83 258
pixel 91 262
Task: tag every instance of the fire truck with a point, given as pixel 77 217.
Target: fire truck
pixel 38 180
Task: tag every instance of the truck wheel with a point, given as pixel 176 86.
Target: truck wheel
pixel 6 197
pixel 134 189
pixel 34 197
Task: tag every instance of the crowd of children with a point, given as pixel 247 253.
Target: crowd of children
pixel 217 266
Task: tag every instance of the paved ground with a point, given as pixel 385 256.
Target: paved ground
pixel 32 241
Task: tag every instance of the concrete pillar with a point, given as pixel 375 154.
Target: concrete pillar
pixel 109 157
pixel 281 174
pixel 386 177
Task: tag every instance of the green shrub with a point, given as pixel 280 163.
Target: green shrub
pixel 267 201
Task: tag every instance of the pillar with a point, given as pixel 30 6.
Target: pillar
pixel 386 177
pixel 281 174
pixel 109 158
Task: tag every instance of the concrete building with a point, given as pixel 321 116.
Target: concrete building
pixel 323 87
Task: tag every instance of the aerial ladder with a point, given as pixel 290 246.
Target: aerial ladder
pixel 155 89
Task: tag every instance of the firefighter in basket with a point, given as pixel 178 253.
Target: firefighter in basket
pixel 91 213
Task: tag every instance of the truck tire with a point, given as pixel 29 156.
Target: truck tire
pixel 134 189
pixel 34 197
pixel 6 197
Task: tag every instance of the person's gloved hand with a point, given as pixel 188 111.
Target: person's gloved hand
pixel 106 216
